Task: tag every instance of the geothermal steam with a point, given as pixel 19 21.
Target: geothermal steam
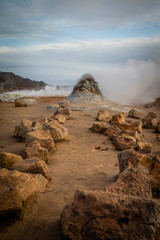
pixel 135 82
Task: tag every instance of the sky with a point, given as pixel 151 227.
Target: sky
pixel 57 41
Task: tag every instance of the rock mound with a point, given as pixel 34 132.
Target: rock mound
pixel 86 89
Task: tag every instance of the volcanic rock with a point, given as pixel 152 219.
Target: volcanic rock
pixel 112 132
pixel 64 103
pixel 20 103
pixel 57 132
pixel 32 165
pixel 8 159
pixel 42 136
pixel 16 188
pixel 132 181
pixel 99 127
pixel 102 215
pixel 158 127
pixel 64 111
pixel 23 129
pixel 124 142
pixel 130 158
pixel 87 90
pixel 60 118
pixel 145 146
pixel 150 120
pixel 103 115
pixel 34 149
pixel 135 114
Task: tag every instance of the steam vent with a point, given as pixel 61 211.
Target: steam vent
pixel 86 89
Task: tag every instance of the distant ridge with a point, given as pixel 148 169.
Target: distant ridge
pixel 10 82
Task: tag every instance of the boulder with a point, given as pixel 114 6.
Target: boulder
pixel 34 149
pixel 102 215
pixel 124 142
pixel 144 146
pixel 103 115
pixel 135 114
pixel 57 132
pixel 132 181
pixel 8 159
pixel 64 111
pixel 118 119
pixel 158 127
pixel 60 118
pixel 64 103
pixel 23 129
pixel 20 103
pixel 112 132
pixel 150 120
pixel 42 136
pixel 38 123
pixel 133 133
pixel 130 158
pixel 32 165
pixel 16 188
pixel 99 127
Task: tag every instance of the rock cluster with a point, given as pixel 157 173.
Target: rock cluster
pixel 20 178
pixel 126 209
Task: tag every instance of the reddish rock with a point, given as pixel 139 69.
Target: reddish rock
pixel 118 119
pixel 124 142
pixel 32 165
pixel 60 118
pixel 23 129
pixel 64 111
pixel 103 115
pixel 99 127
pixel 132 181
pixel 8 159
pixel 150 120
pixel 42 136
pixel 16 188
pixel 20 103
pixel 112 132
pixel 102 215
pixel 135 114
pixel 57 132
pixel 34 149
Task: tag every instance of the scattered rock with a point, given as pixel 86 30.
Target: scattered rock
pixel 130 158
pixel 133 133
pixel 39 122
pixel 145 146
pixel 64 103
pixel 99 127
pixel 112 132
pixel 103 115
pixel 57 132
pixel 35 150
pixel 158 127
pixel 135 114
pixel 132 181
pixel 23 129
pixel 64 111
pixel 60 118
pixel 43 137
pixel 102 215
pixel 118 119
pixel 20 103
pixel 150 120
pixel 124 142
pixel 32 165
pixel 16 188
pixel 8 159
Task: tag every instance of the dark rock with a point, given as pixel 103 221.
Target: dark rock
pixel 150 120
pixel 135 114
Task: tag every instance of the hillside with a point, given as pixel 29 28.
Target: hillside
pixel 10 82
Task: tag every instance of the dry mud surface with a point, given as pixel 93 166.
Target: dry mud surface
pixel 85 161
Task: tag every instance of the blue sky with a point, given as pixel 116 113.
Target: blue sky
pixel 58 41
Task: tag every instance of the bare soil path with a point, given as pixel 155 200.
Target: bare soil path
pixel 76 163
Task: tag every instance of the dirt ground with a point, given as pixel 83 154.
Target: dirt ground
pixel 74 164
